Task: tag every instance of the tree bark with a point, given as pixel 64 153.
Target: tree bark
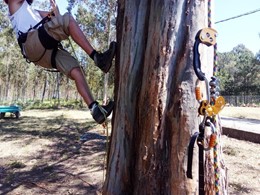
pixel 156 108
pixel 44 87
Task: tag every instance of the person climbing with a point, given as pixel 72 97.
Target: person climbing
pixel 39 34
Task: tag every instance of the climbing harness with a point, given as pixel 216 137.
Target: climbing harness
pixel 46 40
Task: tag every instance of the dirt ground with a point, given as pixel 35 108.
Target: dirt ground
pixel 51 152
pixel 63 152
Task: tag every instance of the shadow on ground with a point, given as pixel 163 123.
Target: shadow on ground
pixel 52 156
pixel 244 120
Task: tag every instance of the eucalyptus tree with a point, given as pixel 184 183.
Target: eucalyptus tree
pixel 10 59
pixel 156 108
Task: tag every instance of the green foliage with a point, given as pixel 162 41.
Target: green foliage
pixel 51 104
pixel 17 165
pixel 4 23
pixel 239 72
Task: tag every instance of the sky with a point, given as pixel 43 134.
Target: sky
pixel 62 5
pixel 244 30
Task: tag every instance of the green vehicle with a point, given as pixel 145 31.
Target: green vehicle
pixel 13 110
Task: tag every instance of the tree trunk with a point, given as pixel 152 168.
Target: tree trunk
pixel 57 92
pixel 8 80
pixel 156 108
pixel 105 91
pixel 44 87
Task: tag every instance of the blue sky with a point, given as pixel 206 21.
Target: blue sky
pixel 244 30
pixel 62 5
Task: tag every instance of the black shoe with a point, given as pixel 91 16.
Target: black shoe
pixel 100 113
pixel 104 60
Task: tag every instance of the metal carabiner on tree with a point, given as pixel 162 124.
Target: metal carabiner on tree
pixel 208 109
pixel 206 36
pixel 212 137
pixel 204 104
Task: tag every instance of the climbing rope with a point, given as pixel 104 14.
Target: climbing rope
pixel 215 45
pixel 209 109
pixel 216 146
pixel 209 13
pixel 71 4
pixel 105 124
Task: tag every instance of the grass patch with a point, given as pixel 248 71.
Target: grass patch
pixel 238 187
pixel 47 104
pixel 17 165
pixel 229 151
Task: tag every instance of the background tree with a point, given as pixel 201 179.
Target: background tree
pixel 244 63
pixel 239 72
pixel 97 19
pixel 256 81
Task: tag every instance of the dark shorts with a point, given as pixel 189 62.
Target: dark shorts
pixel 35 52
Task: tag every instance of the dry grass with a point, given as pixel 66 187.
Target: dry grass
pixel 243 163
pixel 241 157
pixel 42 153
pixel 241 112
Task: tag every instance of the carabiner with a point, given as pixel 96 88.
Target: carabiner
pixel 205 106
pixel 206 36
pixel 198 92
pixel 212 137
